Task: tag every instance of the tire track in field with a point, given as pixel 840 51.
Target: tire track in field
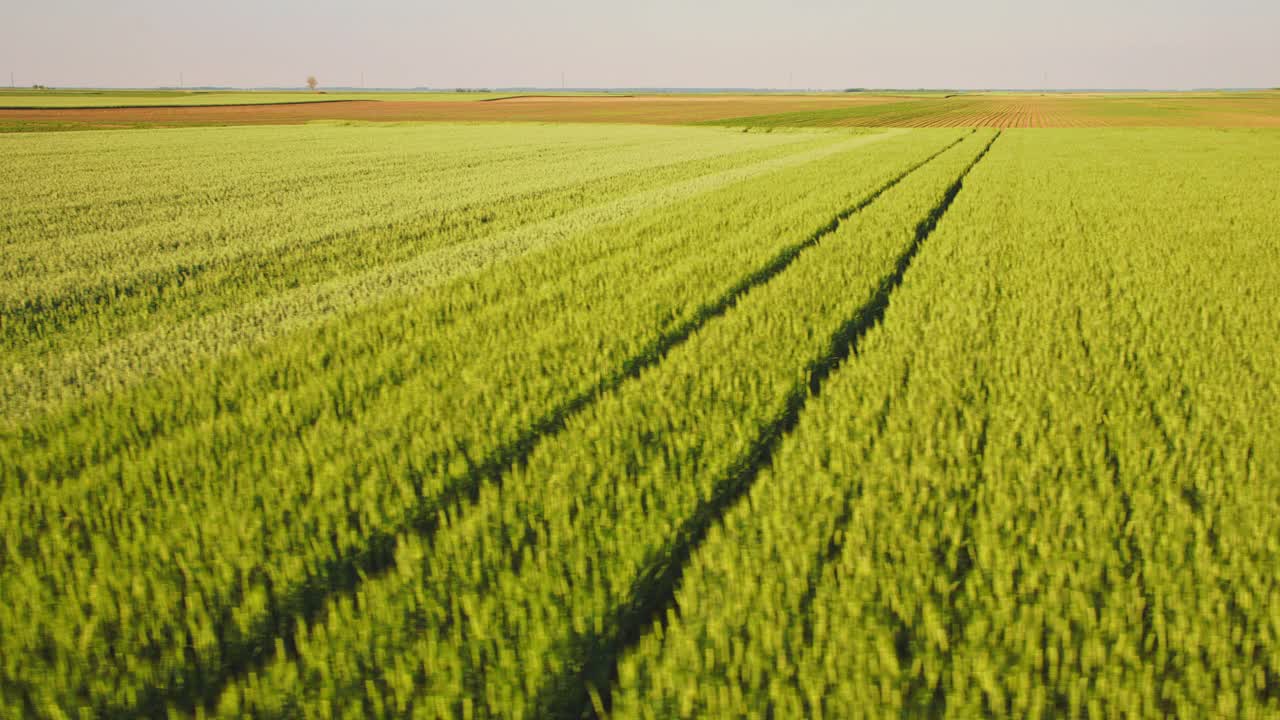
pixel 132 358
pixel 346 575
pixel 655 595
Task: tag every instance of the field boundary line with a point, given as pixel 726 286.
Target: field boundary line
pixel 655 593
pixel 345 576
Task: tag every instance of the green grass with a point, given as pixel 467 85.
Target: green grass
pixel 360 214
pixel 561 282
pixel 1038 491
pixel 542 420
pixel 644 467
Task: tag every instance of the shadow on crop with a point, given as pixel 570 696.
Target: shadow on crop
pixel 190 689
pixel 587 692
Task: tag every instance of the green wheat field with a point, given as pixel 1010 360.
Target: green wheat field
pixel 483 420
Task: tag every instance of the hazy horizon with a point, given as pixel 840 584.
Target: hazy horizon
pixel 815 44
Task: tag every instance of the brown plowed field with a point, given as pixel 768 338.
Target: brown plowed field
pixel 621 109
pixel 975 110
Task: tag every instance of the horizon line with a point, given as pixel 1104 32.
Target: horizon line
pixel 629 88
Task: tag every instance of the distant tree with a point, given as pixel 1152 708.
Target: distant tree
pixel 312 82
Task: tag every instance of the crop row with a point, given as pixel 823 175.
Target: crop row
pixel 1046 487
pixel 111 284
pixel 515 606
pixel 158 540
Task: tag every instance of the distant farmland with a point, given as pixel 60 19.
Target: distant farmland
pixel 1029 110
pixel 22 98
pixel 997 110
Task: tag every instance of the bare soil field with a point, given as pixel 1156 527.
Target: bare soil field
pixel 624 109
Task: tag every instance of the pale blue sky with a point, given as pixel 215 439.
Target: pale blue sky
pixel 658 43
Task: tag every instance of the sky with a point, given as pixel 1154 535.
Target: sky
pixel 1165 44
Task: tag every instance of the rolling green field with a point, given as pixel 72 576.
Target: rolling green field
pixel 555 420
pixel 1040 110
